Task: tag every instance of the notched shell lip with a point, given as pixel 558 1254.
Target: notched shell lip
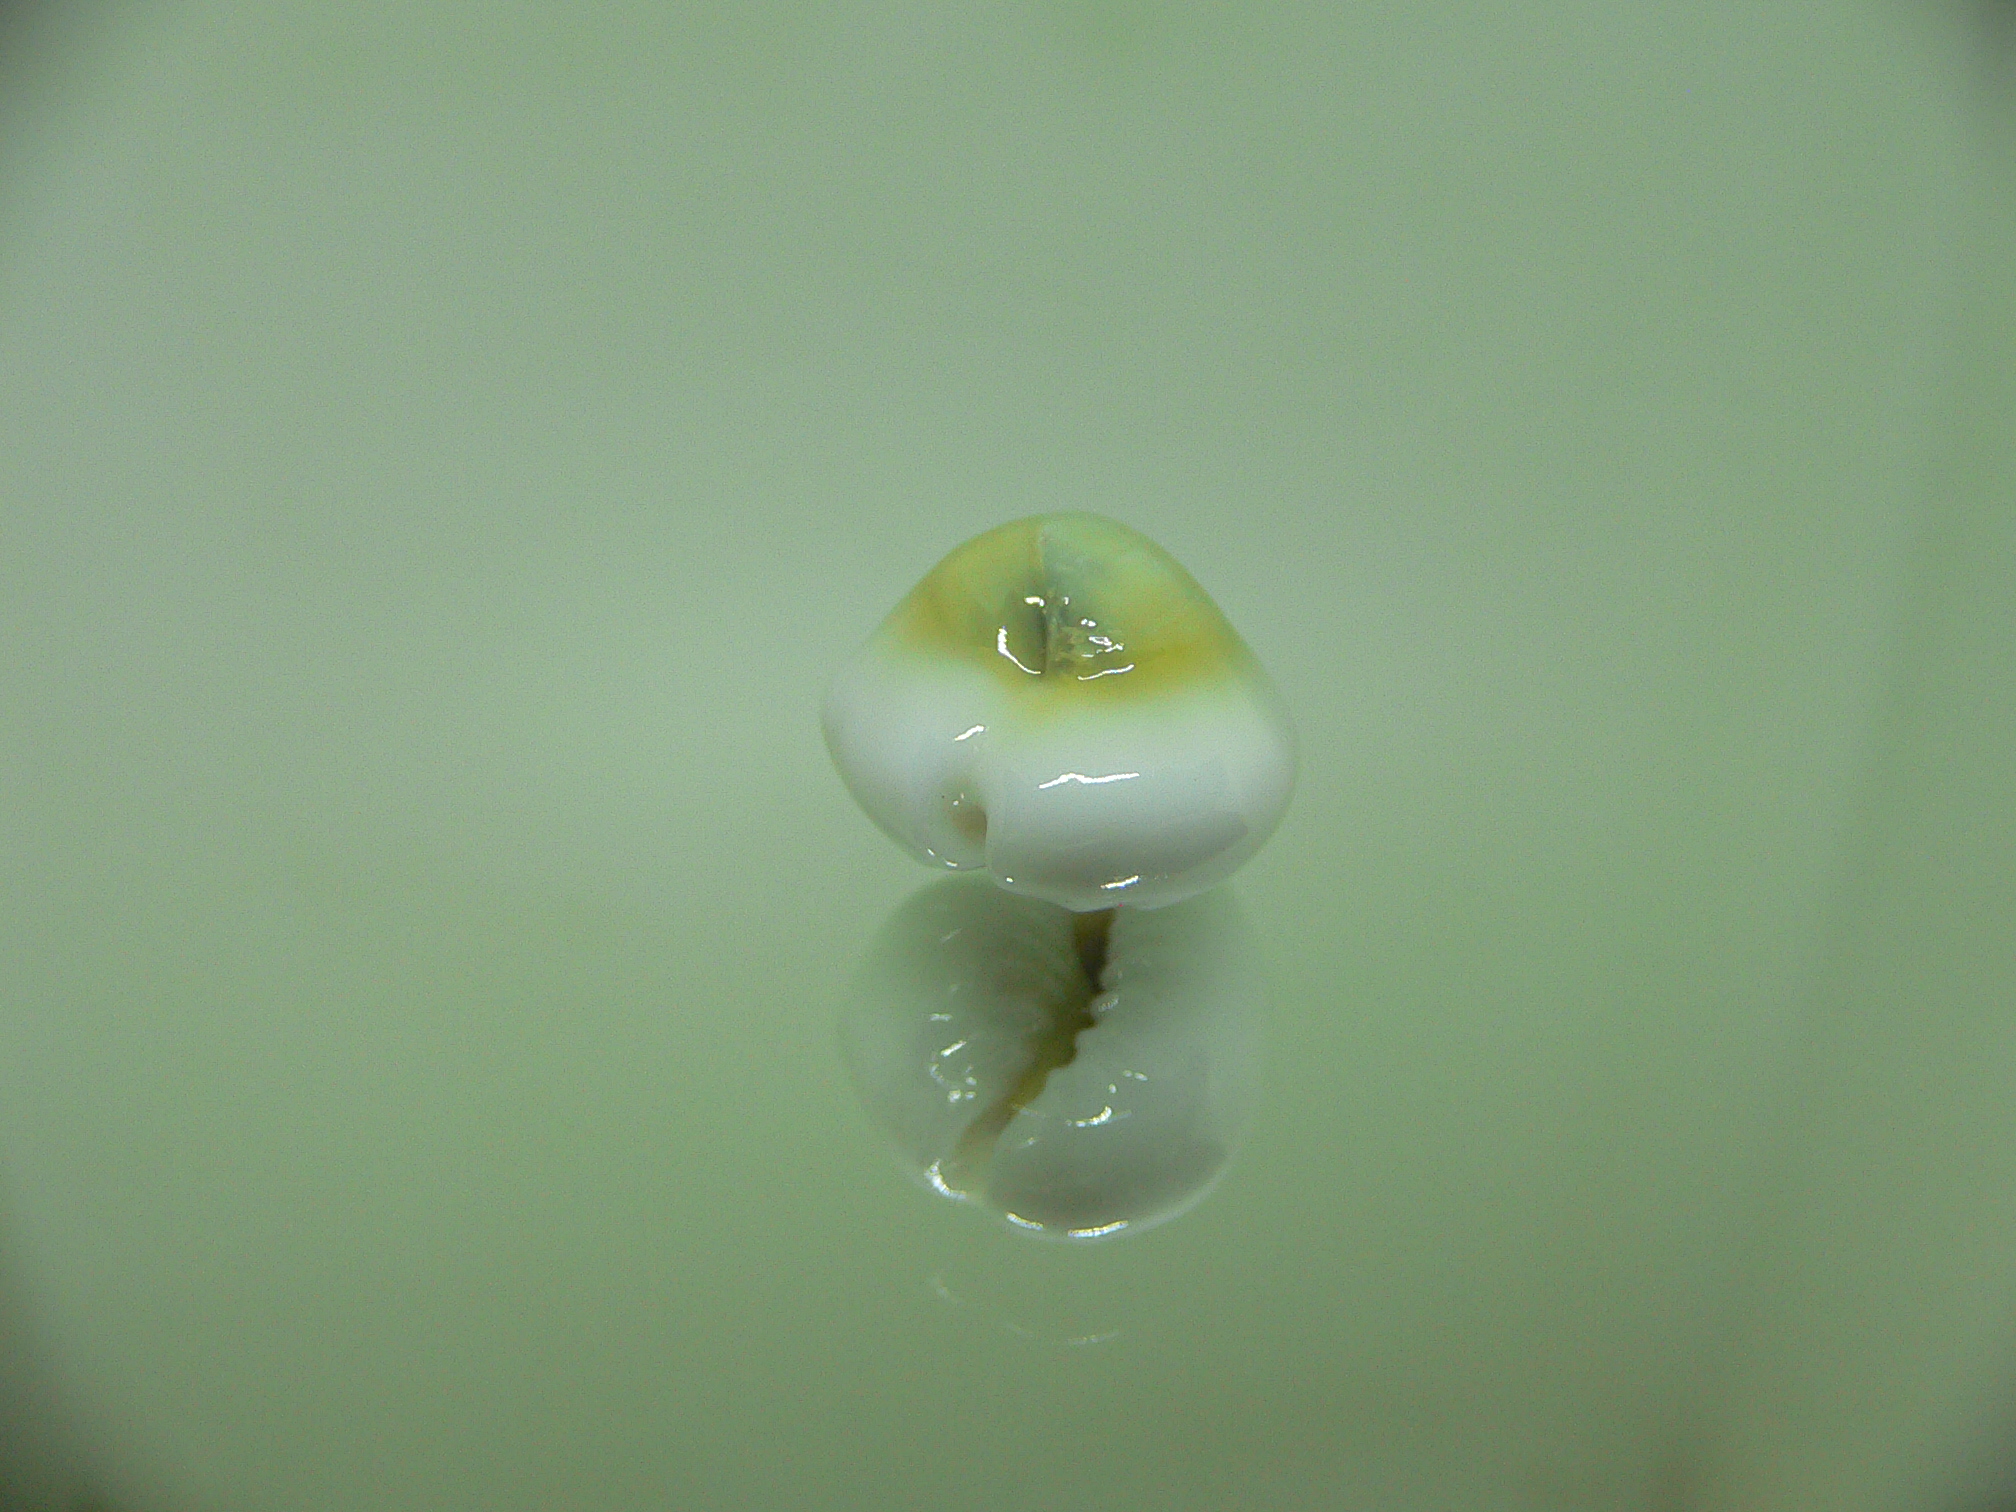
pixel 1008 1079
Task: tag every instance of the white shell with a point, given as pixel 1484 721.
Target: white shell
pixel 1060 703
pixel 968 988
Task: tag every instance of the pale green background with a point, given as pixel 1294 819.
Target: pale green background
pixel 443 452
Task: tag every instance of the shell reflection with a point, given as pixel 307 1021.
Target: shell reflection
pixel 1079 1074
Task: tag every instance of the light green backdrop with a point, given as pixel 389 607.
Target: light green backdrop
pixel 443 451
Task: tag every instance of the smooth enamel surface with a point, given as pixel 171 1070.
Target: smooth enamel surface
pixel 1059 702
pixel 1071 1108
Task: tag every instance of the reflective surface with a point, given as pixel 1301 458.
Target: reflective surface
pixel 444 456
pixel 1082 1075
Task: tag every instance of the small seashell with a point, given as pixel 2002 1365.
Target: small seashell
pixel 1059 703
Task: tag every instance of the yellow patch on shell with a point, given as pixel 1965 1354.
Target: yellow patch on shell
pixel 1071 606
